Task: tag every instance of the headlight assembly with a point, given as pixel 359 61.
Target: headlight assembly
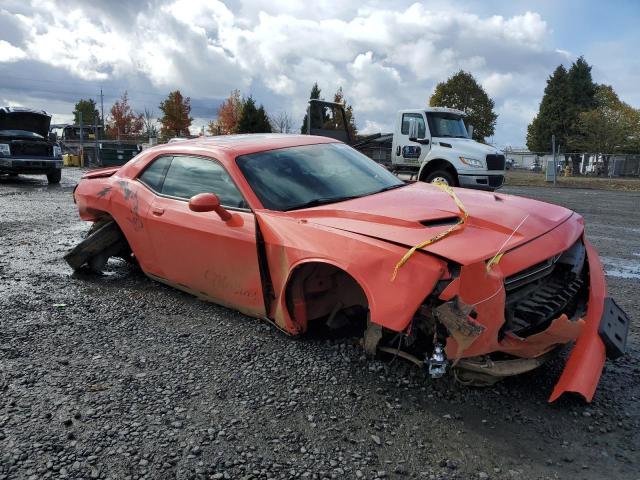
pixel 472 162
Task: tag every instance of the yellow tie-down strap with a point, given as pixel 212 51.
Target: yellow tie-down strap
pixel 439 236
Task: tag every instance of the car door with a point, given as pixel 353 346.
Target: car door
pixel 406 151
pixel 198 251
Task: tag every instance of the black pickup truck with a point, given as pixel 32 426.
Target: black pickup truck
pixel 25 145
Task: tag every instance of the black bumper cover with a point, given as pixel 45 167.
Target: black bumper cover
pixel 614 328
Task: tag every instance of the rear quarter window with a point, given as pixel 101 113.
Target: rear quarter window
pixel 153 176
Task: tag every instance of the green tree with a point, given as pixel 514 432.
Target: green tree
pixel 348 113
pixel 314 95
pixel 253 119
pixel 175 121
pixel 609 128
pixel 581 94
pixel 89 112
pixel 553 116
pixel 463 92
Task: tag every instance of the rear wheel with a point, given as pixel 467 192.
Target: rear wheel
pixel 55 176
pixel 441 176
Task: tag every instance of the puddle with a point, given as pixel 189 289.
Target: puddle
pixel 621 267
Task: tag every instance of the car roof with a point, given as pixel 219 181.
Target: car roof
pixel 249 143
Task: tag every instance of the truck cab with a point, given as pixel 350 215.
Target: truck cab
pixel 432 144
pixel 437 144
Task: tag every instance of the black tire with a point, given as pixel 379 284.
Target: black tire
pixel 441 175
pixel 104 241
pixel 55 176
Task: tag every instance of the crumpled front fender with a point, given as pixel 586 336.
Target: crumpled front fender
pixel 584 366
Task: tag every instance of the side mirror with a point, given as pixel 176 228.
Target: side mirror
pixel 209 202
pixel 470 131
pixel 414 130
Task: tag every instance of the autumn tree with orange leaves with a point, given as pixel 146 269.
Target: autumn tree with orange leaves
pixel 123 121
pixel 229 114
pixel 175 121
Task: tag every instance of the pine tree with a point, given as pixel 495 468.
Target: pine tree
pixel 253 119
pixel 463 92
pixel 581 94
pixel 553 116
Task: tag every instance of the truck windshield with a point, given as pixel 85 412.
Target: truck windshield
pixel 312 175
pixel 443 124
pixel 20 133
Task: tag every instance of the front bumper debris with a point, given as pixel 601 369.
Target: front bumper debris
pixel 614 328
pixel 584 366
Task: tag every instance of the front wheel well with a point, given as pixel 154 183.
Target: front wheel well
pixel 324 299
pixel 435 165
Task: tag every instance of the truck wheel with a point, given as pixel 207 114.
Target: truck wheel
pixel 441 176
pixel 55 176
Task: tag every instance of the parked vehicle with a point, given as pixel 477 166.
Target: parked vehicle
pixel 307 233
pixel 440 149
pixel 24 144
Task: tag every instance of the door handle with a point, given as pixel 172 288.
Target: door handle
pixel 398 151
pixel 157 211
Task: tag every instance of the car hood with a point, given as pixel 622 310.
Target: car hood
pixel 23 119
pixel 415 213
pixel 467 146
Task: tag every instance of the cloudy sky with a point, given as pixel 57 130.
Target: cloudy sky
pixel 385 55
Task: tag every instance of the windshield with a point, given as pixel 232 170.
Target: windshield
pixel 311 175
pixel 446 125
pixel 20 133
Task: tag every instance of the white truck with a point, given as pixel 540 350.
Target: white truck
pixel 431 144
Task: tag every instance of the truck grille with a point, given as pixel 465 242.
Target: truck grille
pixel 38 149
pixel 543 292
pixel 496 180
pixel 495 162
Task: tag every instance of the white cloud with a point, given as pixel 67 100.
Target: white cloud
pixel 10 53
pixel 497 83
pixel 385 55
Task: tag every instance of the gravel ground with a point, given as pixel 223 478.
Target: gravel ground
pixel 120 377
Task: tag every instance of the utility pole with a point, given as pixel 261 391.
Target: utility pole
pixel 81 140
pixel 95 136
pixel 102 109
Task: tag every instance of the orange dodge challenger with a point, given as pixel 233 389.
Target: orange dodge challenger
pixel 306 232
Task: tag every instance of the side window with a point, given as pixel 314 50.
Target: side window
pixel 406 117
pixel 188 176
pixel 153 175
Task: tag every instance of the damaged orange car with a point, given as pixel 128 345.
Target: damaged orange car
pixel 306 232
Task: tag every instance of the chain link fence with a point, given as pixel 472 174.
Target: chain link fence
pixel 589 164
